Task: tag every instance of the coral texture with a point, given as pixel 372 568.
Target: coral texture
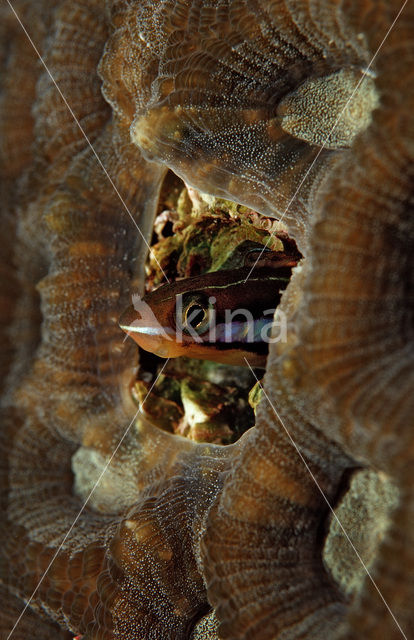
pixel 240 98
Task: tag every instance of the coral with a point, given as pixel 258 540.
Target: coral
pixel 363 515
pixel 112 527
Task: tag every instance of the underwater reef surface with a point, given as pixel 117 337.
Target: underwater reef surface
pixel 303 112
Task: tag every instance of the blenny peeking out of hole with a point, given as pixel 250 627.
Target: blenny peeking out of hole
pixel 225 312
pixel 225 316
pixel 228 268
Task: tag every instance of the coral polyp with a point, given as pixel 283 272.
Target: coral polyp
pixel 119 522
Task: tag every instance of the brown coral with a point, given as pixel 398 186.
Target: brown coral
pixel 211 90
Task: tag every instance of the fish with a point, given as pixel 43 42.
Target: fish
pixel 226 316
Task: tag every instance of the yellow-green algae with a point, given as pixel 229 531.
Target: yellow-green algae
pixel 206 231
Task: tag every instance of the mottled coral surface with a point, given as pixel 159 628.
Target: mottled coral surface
pixel 182 539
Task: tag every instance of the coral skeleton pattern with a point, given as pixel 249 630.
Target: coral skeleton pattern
pixel 301 109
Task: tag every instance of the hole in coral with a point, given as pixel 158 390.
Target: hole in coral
pixel 210 398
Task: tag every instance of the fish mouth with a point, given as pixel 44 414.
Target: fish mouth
pixel 164 332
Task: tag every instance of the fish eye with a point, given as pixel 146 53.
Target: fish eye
pixel 195 315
